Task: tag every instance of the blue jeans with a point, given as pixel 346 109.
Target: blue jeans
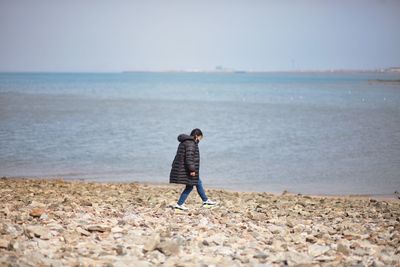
pixel 188 189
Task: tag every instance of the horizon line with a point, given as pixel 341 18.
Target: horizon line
pixel 216 71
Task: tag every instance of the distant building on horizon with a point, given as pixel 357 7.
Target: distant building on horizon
pixel 393 69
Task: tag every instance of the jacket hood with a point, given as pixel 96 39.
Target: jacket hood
pixel 184 137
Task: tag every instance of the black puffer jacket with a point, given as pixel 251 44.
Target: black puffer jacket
pixel 187 160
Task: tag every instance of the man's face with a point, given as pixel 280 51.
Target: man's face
pixel 198 138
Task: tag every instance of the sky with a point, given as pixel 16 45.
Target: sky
pixel 258 35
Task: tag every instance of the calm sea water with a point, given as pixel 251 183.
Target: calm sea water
pixel 309 133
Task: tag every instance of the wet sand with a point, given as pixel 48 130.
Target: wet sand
pixel 58 223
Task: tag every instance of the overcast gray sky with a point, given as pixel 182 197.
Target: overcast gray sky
pixel 103 35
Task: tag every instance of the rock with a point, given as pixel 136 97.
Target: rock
pixel 6 211
pixel 348 233
pixel 36 212
pixel 56 227
pixel 36 204
pixel 7 229
pixel 156 256
pixel 126 262
pixel 86 203
pixel 118 235
pixel 275 229
pixel 260 255
pixel 98 228
pixel 360 251
pixel 120 250
pixel 203 222
pixel 180 240
pixel 205 242
pixel 83 231
pixel 224 251
pixel 218 239
pixel 14 245
pixel 298 259
pixel 132 218
pixel 257 216
pixel 85 261
pixel 342 249
pixel 4 243
pixel 38 231
pixel 169 248
pixel 325 258
pixel 316 250
pixel 117 229
pixel 311 239
pixel 44 216
pixel 152 242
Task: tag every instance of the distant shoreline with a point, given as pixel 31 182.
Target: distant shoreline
pixel 384 81
pixel 265 72
pixel 333 71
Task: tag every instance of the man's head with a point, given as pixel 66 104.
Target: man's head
pixel 197 134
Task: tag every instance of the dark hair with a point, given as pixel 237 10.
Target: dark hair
pixel 196 132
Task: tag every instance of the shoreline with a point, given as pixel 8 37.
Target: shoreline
pixel 74 223
pixel 394 196
pixel 385 70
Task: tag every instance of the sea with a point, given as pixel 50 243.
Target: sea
pixel 308 133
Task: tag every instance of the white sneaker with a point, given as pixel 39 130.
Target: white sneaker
pixel 209 203
pixel 180 207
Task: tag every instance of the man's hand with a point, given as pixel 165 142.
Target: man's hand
pixel 193 174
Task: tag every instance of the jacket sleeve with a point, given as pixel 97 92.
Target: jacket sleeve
pixel 189 157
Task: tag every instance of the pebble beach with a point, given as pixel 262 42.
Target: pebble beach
pixel 54 222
